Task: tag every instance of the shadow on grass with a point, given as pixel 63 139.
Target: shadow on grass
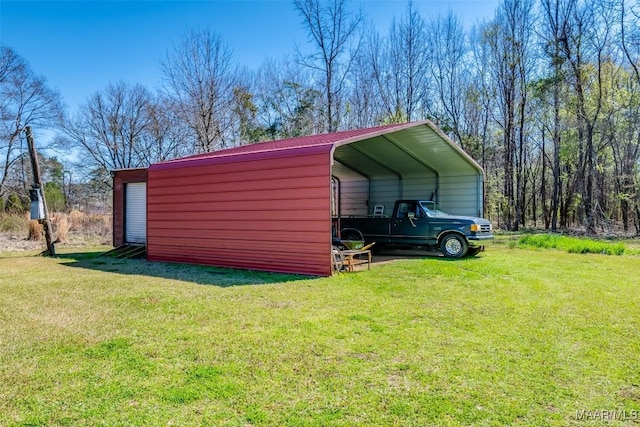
pixel 202 275
pixel 391 254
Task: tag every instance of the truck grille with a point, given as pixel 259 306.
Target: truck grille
pixel 485 228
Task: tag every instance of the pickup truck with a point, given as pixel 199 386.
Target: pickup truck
pixel 418 223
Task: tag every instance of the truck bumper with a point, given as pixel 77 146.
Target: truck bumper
pixel 475 241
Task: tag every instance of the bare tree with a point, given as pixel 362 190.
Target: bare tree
pixel 25 100
pixel 364 106
pixel 450 75
pixel 199 78
pixel 10 63
pixel 399 65
pixel 115 128
pixel 165 135
pixel 630 35
pixel 554 20
pixel 332 29
pixel 510 39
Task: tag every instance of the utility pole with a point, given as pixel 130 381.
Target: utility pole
pixel 46 223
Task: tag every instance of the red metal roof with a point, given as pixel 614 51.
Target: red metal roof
pixel 326 139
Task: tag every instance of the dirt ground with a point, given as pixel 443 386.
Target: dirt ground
pixel 12 242
pixel 386 255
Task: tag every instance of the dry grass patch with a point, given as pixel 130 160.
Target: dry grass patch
pixel 90 224
pixel 36 230
pixel 77 228
pixel 61 227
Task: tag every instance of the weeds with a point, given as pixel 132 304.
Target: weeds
pixel 61 227
pixel 36 230
pixel 75 226
pixel 90 224
pixel 571 244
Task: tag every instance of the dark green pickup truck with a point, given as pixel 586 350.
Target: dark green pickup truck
pixel 418 223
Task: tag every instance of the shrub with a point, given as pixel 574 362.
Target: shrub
pixel 11 222
pixel 16 205
pixel 55 197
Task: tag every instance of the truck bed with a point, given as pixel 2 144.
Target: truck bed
pixel 367 225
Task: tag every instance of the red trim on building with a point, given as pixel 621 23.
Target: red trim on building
pixel 120 178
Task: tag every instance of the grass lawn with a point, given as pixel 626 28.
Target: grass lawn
pixel 512 337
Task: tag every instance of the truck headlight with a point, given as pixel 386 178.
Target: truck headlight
pixel 475 227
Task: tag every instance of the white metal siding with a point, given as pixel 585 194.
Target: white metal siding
pixel 459 195
pixel 419 187
pixel 385 190
pixel 135 210
pixel 354 190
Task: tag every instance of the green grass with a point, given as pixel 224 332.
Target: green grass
pixel 572 244
pixel 511 337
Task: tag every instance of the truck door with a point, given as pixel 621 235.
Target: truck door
pixel 410 225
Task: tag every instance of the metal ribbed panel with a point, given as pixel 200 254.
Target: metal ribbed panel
pixel 266 213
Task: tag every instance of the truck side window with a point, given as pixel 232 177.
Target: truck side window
pixel 412 212
pixel 403 210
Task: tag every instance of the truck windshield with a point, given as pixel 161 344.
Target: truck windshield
pixel 429 209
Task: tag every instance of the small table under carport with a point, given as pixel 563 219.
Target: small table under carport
pixel 351 260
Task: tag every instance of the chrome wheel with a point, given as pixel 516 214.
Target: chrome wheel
pixel 453 246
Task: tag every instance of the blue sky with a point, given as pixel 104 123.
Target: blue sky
pixel 81 46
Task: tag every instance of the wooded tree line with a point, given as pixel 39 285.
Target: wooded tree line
pixel 546 96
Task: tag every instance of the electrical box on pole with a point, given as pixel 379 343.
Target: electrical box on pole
pixel 37 206
pixel 38 201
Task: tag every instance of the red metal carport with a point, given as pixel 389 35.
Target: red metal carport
pixel 268 206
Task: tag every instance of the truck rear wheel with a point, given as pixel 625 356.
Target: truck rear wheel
pixel 454 246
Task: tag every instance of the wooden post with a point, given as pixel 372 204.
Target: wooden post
pixel 48 233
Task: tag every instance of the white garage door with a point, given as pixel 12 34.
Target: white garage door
pixel 135 212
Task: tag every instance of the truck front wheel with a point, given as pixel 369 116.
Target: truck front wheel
pixel 454 246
